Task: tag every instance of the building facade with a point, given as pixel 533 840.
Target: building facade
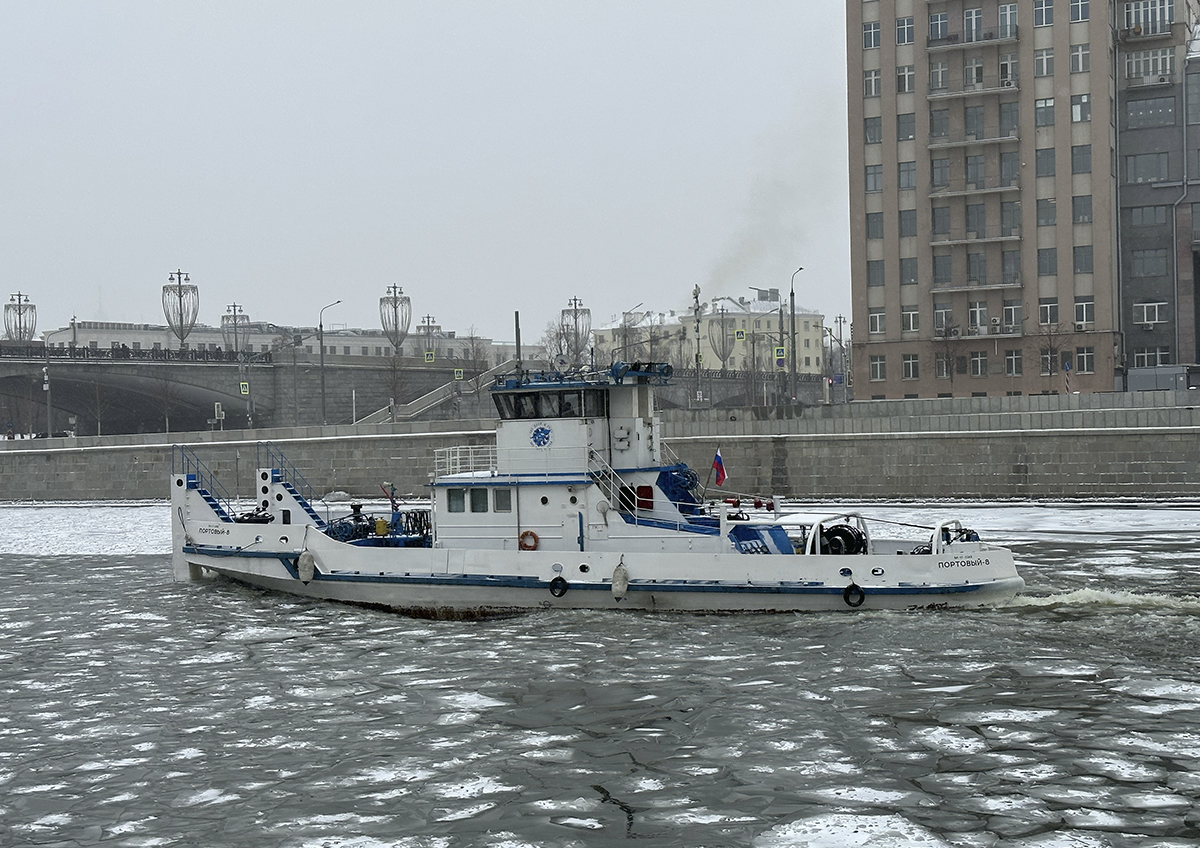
pixel 1018 178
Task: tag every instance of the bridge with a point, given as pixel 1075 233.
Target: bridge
pixel 131 391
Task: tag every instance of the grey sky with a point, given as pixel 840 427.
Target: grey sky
pixel 487 157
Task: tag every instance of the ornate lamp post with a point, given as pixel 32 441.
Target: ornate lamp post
pixel 181 304
pixel 232 321
pixel 20 318
pixel 576 324
pixel 321 339
pixel 395 313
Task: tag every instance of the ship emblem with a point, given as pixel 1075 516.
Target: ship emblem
pixel 541 436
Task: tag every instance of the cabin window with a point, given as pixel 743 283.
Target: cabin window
pixel 594 403
pixel 572 407
pixel 479 499
pixel 502 500
pixel 645 497
pixel 456 500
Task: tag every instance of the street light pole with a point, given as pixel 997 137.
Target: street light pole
pixel 792 369
pixel 46 386
pixel 321 340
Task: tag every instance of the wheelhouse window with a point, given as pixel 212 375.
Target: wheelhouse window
pixel 479 500
pixel 502 500
pixel 456 500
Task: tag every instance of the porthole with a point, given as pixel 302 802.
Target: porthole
pixel 545 500
pixel 584 568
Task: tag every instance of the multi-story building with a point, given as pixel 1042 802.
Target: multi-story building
pixel 1018 178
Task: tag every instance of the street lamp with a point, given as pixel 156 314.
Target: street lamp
pixel 321 340
pixel 792 363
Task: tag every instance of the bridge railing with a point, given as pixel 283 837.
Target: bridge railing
pixel 109 354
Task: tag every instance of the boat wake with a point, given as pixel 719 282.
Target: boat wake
pixel 1108 598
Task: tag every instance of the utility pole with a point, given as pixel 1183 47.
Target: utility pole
pixel 792 369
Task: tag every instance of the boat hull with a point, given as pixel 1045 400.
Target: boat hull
pixel 451 583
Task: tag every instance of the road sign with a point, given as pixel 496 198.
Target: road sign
pixel 739 335
pixel 245 387
pixel 429 356
pixel 458 373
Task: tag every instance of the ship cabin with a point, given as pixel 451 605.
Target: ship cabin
pixel 577 465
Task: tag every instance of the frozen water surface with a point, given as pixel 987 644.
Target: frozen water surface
pixel 140 712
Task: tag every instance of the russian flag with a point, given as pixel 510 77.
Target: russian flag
pixel 719 467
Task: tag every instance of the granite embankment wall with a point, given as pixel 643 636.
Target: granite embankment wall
pixel 1135 445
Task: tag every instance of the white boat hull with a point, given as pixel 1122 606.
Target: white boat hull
pixel 454 583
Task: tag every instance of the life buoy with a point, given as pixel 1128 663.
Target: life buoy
pixel 854 595
pixel 528 541
pixel 559 586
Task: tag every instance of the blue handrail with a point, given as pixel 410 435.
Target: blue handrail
pixel 268 455
pixel 184 461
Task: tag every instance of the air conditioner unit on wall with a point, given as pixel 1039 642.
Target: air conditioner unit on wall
pixel 1080 326
pixel 995 322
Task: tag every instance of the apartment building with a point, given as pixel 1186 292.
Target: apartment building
pixel 1019 178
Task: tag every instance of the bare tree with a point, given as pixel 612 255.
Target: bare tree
pixel 165 399
pixel 98 400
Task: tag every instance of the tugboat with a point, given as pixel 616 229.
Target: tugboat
pixel 577 506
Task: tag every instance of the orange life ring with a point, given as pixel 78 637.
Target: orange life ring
pixel 528 541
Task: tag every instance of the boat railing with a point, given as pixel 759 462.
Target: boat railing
pixel 268 455
pixel 464 459
pixel 185 461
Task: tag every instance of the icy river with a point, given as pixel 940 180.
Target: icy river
pixel 141 712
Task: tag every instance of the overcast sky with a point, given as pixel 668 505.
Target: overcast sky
pixel 486 157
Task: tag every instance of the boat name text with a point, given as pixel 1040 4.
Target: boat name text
pixel 963 563
pixel 212 531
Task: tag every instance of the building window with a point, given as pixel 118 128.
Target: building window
pixel 1047 212
pixel 1010 267
pixel 979 366
pixel 942 266
pixel 977 268
pixel 943 317
pixel 908 222
pixel 1085 310
pixel 939 26
pixel 1081 209
pixel 1081 159
pixel 1081 58
pixel 1008 68
pixel 1149 17
pixel 878 368
pixel 876 320
pixel 1147 216
pixel 1043 112
pixel 1047 261
pixel 1010 168
pixel 1044 160
pixel 1150 64
pixel 976 220
pixel 908 175
pixel 939 123
pixel 1043 62
pixel 972 24
pixel 973 73
pixel 911 366
pixel 908 271
pixel 1079 10
pixel 1147 357
pixel 1085 360
pixel 1007 15
pixel 941 220
pixel 1149 263
pixel 976 177
pixel 874 225
pixel 870 35
pixel 1193 98
pixel 874 272
pixel 873 130
pixel 1012 314
pixel 910 319
pixel 1043 12
pixel 1047 311
pixel 1150 112
pixel 1081 108
pixel 1010 218
pixel 872 83
pixel 939 172
pixel 941 367
pixel 939 75
pixel 874 175
pixel 906 126
pixel 1013 366
pixel 1154 312
pixel 906 79
pixel 905 33
pixel 1083 259
pixel 1009 118
pixel 973 122
pixel 977 313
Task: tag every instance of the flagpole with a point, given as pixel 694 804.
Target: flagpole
pixel 704 491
